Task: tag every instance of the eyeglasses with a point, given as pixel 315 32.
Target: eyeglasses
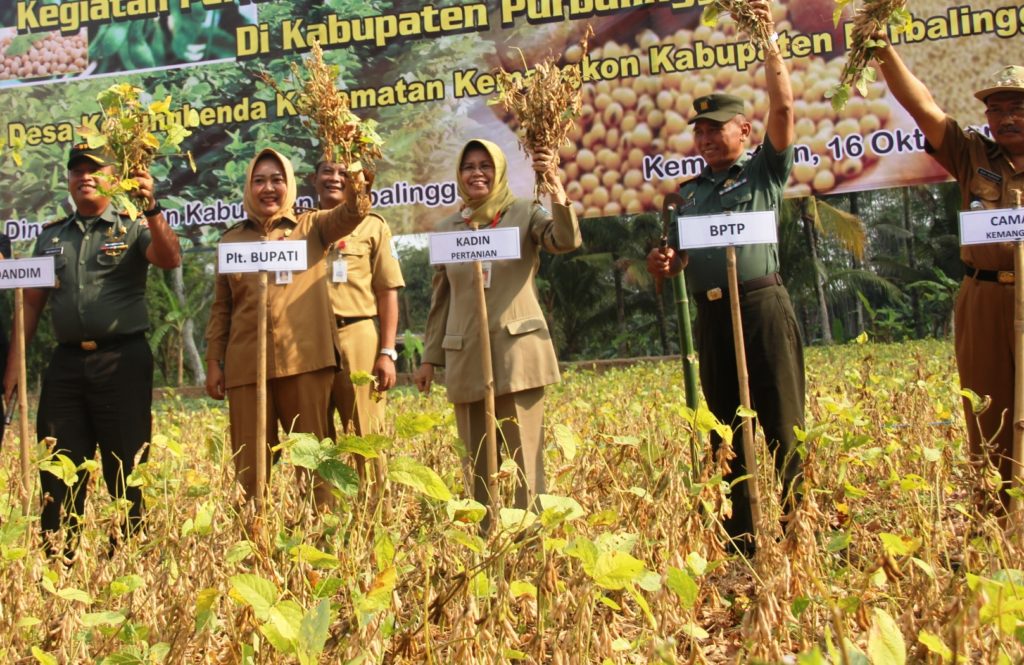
pixel 999 114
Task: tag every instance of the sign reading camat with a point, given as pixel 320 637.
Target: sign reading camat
pixel 981 227
pixel 723 230
pixel 268 256
pixel 36 272
pixel 466 246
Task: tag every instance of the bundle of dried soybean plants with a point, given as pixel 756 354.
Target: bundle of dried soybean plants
pixel 546 104
pixel 325 111
pixel 762 35
pixel 870 20
pixel 134 134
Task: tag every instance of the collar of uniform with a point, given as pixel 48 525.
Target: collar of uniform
pixel 280 221
pixel 109 215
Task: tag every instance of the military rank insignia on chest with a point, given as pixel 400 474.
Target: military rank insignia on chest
pixel 731 184
pixel 114 247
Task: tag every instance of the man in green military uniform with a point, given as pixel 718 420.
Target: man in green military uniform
pixel 990 173
pixel 97 389
pixel 734 181
pixel 364 277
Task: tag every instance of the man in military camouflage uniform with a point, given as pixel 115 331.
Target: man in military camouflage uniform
pixel 97 390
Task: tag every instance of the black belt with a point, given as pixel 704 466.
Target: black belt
pixel 749 286
pixel 342 321
pixel 105 343
pixel 999 276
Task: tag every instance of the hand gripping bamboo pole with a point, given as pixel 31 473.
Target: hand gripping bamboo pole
pixel 26 471
pixel 1017 472
pixel 261 392
pixel 487 370
pixel 749 454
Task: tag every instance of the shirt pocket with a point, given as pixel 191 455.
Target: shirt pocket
pixel 523 326
pixel 739 198
pixel 357 260
pixel 452 343
pixel 984 190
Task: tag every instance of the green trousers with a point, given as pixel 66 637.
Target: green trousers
pixel 775 366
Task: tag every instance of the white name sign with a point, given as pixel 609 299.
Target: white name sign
pixel 731 228
pixel 267 256
pixel 981 227
pixel 36 272
pixel 466 246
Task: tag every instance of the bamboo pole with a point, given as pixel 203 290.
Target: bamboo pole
pixel 1017 472
pixel 26 470
pixel 687 353
pixel 487 369
pixel 749 454
pixel 261 393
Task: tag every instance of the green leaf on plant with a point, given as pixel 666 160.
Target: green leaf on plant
pixel 885 641
pixel 423 479
pixel 254 591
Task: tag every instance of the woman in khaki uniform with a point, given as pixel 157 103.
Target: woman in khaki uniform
pixel 522 354
pixel 301 344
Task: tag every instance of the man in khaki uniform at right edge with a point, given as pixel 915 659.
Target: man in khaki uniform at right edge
pixel 990 172
pixel 364 278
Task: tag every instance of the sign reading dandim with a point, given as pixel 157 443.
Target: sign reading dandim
pixel 36 272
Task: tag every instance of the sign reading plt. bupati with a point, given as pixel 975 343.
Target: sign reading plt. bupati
pixel 466 246
pixel 981 227
pixel 731 228
pixel 36 272
pixel 269 256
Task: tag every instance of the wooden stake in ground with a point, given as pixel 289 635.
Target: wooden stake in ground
pixel 26 471
pixel 487 369
pixel 1017 473
pixel 261 393
pixel 749 454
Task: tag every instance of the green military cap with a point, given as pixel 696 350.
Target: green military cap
pixel 83 151
pixel 1007 79
pixel 720 107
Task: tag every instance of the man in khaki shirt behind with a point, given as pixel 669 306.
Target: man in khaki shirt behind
pixel 364 278
pixel 990 173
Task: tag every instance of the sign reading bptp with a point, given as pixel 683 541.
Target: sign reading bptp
pixel 466 246
pixel 981 227
pixel 723 230
pixel 267 256
pixel 36 272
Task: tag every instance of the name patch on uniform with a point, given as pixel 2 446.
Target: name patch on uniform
pixel 728 229
pixel 981 227
pixel 267 256
pixel 36 272
pixel 990 175
pixel 468 246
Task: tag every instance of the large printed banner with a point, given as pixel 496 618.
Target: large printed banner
pixel 425 72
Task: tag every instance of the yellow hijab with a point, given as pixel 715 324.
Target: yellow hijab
pixel 249 201
pixel 500 197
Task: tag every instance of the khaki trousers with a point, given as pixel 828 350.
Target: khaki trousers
pixel 359 412
pixel 298 403
pixel 520 435
pixel 983 324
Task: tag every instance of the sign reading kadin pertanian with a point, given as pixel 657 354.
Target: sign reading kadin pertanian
pixel 36 272
pixel 981 227
pixel 467 246
pixel 727 229
pixel 268 256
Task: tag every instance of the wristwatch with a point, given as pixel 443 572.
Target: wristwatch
pixel 390 353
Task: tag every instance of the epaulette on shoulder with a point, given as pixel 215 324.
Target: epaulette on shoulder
pixel 59 220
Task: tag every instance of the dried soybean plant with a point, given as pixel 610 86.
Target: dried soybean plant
pixel 762 34
pixel 133 135
pixel 871 18
pixel 546 103
pixel 325 111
